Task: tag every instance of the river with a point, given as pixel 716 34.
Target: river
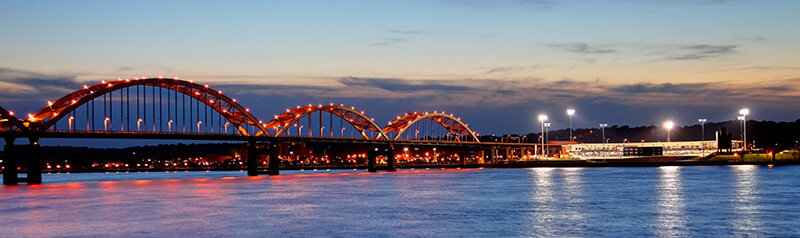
pixel 715 201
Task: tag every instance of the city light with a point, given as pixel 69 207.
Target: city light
pixel 702 134
pixel 743 117
pixel 542 118
pixel 668 125
pixel 570 112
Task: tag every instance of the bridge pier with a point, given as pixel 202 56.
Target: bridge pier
pixel 391 162
pixel 32 155
pixel 10 173
pixel 252 159
pixel 34 162
pixel 274 161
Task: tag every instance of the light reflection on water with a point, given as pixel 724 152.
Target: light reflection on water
pixel 552 202
pixel 670 220
pixel 746 201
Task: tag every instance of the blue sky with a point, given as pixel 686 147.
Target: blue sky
pixel 496 64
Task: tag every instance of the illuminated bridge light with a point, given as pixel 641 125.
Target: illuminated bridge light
pixel 160 77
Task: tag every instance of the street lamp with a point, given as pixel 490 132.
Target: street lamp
pixel 105 124
pixel 198 126
pixel 547 132
pixel 744 113
pixel 570 112
pixel 669 126
pixel 138 124
pixel 603 128
pixel 702 135
pixel 70 122
pixel 542 118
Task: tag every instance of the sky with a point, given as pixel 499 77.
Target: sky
pixel 496 64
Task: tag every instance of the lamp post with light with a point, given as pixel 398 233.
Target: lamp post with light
pixel 570 112
pixel 603 127
pixel 542 118
pixel 702 135
pixel 547 133
pixel 744 113
pixel 669 126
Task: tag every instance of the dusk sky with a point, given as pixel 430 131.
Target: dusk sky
pixel 496 64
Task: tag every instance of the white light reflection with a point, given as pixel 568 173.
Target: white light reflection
pixel 745 197
pixel 543 216
pixel 670 218
pixel 573 213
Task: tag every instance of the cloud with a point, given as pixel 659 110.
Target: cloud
pixel 17 84
pixel 502 70
pixel 389 42
pixel 583 48
pixel 401 85
pixel 698 52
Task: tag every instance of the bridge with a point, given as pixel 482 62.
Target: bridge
pixel 172 108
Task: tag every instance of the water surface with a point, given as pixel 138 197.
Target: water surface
pixel 719 201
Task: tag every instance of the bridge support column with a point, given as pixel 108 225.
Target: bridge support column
pixel 371 163
pixel 34 162
pixel 391 162
pixel 481 157
pixel 274 161
pixel 10 174
pixel 252 159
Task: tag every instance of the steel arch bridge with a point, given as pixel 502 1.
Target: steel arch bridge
pixel 453 125
pixel 234 113
pixel 355 118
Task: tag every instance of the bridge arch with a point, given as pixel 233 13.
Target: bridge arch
pixel 9 122
pixel 453 125
pixel 234 113
pixel 355 118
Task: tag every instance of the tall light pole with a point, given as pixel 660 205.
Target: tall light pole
pixel 669 126
pixel 603 126
pixel 542 118
pixel 570 112
pixel 547 132
pixel 702 135
pixel 744 113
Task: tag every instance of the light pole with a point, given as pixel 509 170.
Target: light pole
pixel 570 112
pixel 542 118
pixel 669 126
pixel 702 135
pixel 603 127
pixel 744 113
pixel 547 132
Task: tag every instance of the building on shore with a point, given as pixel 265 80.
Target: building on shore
pixel 642 149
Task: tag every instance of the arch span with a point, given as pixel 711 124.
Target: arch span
pixel 453 125
pixel 357 119
pixel 9 122
pixel 227 107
